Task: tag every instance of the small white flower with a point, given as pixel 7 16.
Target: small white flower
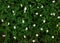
pixel 8 6
pixel 44 21
pixel 36 13
pixel 42 6
pixel 57 25
pixel 47 31
pixel 24 36
pixel 8 23
pixel 23 21
pixel 41 29
pixel 52 36
pixel 25 9
pixel 33 41
pixel 30 5
pixel 53 14
pixel 58 17
pixel 21 5
pixel 34 25
pixel 2 20
pixel 37 7
pixel 13 11
pixel 37 35
pixel 14 27
pixel 14 37
pixel 40 15
pixel 26 28
pixel 3 35
pixel 53 1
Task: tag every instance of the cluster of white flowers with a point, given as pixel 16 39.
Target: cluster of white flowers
pixel 34 25
pixel 52 14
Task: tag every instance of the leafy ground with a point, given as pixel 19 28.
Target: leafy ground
pixel 29 21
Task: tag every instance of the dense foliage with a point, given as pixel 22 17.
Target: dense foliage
pixel 29 21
